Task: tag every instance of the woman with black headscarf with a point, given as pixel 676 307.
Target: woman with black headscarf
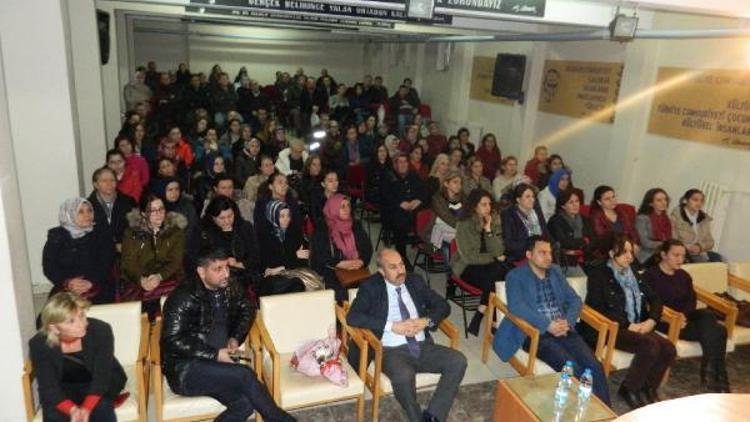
pixel 281 248
pixel 78 258
pixel 169 189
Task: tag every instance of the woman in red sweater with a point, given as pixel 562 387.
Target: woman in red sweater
pixel 490 156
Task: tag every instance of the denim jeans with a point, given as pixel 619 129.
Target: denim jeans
pixel 235 386
pixel 555 351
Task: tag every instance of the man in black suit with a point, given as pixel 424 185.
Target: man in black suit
pixel 401 310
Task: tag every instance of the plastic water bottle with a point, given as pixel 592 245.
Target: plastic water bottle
pixel 585 386
pixel 563 384
pixel 568 369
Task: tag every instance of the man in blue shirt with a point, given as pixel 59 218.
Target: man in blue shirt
pixel 539 293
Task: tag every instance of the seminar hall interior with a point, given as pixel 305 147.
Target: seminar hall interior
pixel 351 210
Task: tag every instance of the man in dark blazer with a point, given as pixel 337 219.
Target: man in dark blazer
pixel 538 293
pixel 401 310
pixel 110 206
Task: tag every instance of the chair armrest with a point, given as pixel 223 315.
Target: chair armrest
pixel 28 393
pixel 721 305
pixel 373 382
pixel 738 282
pixel 154 350
pixel 145 332
pixel 450 330
pixel 253 340
pixel 674 320
pixel 357 337
pixel 267 343
pixel 496 304
pixel 612 328
pixel 592 318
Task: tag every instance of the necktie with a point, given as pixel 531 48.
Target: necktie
pixel 411 342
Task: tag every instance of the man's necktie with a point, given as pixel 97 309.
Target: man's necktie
pixel 411 342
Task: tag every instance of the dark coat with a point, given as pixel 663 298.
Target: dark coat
pixel 121 207
pixel 324 255
pixel 91 256
pixel 605 295
pixel 107 376
pixel 376 176
pixel 562 234
pixel 187 322
pixel 370 307
pixel 396 190
pixel 275 253
pixel 240 244
pixel 515 234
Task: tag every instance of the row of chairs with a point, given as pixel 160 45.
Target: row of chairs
pixel 283 323
pixel 708 278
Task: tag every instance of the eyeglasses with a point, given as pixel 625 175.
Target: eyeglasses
pixel 157 210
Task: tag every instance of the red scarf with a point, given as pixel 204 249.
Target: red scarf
pixel 661 227
pixel 340 230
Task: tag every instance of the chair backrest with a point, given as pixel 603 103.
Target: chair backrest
pixel 125 320
pixel 295 318
pixel 711 276
pixel 585 210
pixel 356 175
pixel 423 219
pixel 352 294
pixel 579 285
pixel 740 269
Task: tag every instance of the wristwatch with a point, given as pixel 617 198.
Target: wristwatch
pixel 429 323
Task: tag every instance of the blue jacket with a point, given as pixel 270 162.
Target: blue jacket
pixel 521 290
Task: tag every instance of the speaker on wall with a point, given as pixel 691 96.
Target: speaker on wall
pixel 507 81
pixel 102 23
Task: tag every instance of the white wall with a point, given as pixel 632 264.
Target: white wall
pixel 261 57
pixel 41 116
pixel 28 149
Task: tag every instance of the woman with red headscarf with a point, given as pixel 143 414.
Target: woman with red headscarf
pixel 339 243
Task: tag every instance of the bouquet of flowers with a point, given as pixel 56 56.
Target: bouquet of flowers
pixel 321 358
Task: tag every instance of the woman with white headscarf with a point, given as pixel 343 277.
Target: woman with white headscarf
pixel 77 257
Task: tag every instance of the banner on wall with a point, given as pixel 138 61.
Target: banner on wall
pixel 584 90
pixel 505 7
pixel 482 72
pixel 703 105
pixel 302 10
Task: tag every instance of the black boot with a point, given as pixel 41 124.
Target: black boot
pixel 476 321
pixel 450 287
pixel 720 377
pixel 704 369
pixel 651 395
pixel 632 398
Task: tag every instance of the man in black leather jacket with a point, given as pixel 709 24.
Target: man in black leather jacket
pixel 204 322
